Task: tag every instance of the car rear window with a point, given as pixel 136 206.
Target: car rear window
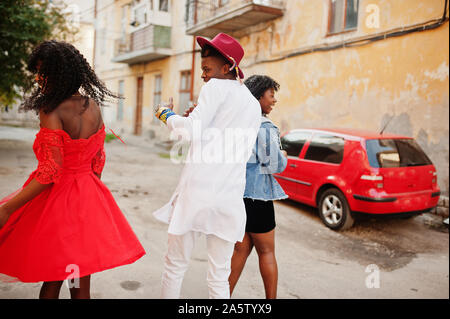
pixel 293 142
pixel 385 153
pixel 326 148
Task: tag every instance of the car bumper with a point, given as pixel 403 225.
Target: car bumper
pixel 395 203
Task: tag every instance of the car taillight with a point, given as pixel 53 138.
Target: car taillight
pixel 377 179
pixel 434 180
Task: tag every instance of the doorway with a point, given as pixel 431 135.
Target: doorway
pixel 139 97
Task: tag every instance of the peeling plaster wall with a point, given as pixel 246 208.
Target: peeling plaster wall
pixel 404 78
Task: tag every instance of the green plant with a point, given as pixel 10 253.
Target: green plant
pixel 24 24
pixel 109 137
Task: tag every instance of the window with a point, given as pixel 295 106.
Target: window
pixel 101 36
pixel 123 22
pixel 326 148
pixel 140 15
pixel 120 104
pixel 191 8
pixel 293 142
pixel 164 5
pixel 185 90
pixel 157 92
pixel 221 3
pixel 395 153
pixel 343 16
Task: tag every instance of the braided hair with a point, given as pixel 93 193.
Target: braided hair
pixel 64 70
pixel 259 84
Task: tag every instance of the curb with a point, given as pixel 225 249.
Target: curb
pixel 442 207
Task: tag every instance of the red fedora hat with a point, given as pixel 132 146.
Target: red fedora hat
pixel 228 46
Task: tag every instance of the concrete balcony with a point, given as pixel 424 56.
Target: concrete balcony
pixel 150 43
pixel 206 19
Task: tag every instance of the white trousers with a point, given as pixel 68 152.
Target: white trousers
pixel 177 260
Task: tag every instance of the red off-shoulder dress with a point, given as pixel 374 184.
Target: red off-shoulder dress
pixel 74 227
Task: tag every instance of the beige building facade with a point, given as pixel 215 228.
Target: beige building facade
pixel 144 54
pixel 79 15
pixel 340 63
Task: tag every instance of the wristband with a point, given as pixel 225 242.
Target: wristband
pixel 164 113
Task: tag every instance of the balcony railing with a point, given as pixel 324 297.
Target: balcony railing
pixel 149 43
pixel 206 18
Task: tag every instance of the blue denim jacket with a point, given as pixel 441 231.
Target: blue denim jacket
pixel 266 159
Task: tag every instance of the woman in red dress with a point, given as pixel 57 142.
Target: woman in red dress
pixel 64 223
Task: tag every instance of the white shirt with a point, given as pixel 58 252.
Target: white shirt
pixel 222 131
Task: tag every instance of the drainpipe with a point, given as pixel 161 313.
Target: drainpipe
pixel 95 33
pixel 192 70
pixel 193 55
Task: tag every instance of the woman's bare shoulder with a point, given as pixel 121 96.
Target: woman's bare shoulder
pixel 97 110
pixel 78 108
pixel 50 120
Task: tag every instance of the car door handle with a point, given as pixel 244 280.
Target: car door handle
pixel 292 165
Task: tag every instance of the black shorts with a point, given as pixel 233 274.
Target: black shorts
pixel 260 215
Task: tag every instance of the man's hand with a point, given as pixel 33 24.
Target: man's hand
pixel 189 110
pixel 164 112
pixel 170 105
pixel 284 153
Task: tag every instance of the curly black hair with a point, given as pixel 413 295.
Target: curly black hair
pixel 259 84
pixel 64 70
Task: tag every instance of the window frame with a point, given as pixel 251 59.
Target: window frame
pixel 120 102
pixel 374 157
pixel 168 6
pixel 145 5
pixel 157 77
pixel 307 140
pixel 344 20
pixel 185 75
pixel 123 22
pixel 156 93
pixel 319 134
pixel 222 3
pixel 187 79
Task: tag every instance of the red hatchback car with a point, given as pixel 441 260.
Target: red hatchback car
pixel 345 171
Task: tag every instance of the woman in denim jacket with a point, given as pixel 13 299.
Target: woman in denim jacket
pixel 261 190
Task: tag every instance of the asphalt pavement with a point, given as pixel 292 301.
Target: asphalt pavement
pixel 377 258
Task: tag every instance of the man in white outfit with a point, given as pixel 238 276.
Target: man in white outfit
pixel 208 200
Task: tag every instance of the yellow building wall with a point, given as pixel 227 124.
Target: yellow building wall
pixel 405 79
pixel 169 68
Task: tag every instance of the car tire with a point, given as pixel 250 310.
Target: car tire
pixel 334 210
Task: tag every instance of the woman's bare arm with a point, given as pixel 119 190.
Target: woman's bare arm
pixel 29 192
pixel 34 188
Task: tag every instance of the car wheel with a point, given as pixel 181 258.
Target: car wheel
pixel 334 210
